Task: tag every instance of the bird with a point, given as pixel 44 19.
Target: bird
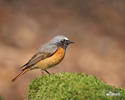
pixel 48 55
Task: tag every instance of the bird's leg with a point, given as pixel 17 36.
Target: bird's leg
pixel 46 71
pixel 42 72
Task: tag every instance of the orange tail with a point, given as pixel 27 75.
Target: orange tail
pixel 21 73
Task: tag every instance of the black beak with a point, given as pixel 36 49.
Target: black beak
pixel 69 42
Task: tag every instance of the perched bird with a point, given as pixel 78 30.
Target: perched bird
pixel 49 55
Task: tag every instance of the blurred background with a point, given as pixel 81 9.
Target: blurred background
pixel 96 26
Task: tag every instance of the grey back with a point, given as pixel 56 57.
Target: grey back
pixel 48 48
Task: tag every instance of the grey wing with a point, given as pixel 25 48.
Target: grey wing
pixel 44 52
pixel 48 47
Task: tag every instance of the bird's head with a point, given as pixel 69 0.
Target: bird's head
pixel 62 41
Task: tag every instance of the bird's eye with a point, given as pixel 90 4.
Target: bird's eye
pixel 65 40
pixel 62 41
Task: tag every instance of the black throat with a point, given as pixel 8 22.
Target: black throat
pixel 63 44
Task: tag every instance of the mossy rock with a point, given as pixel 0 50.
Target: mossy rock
pixel 1 98
pixel 72 86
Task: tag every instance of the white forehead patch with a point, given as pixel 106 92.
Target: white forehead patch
pixel 58 38
pixel 66 38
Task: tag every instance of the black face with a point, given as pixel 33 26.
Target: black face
pixel 64 43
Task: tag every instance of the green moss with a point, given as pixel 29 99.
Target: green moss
pixel 72 86
pixel 1 98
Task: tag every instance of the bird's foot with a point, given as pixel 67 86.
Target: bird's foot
pixel 47 71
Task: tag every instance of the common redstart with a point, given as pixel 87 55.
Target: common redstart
pixel 49 55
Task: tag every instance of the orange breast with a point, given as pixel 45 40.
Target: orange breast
pixel 53 60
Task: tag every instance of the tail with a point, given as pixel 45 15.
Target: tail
pixel 21 73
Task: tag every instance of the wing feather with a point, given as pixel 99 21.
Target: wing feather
pixel 36 58
pixel 44 52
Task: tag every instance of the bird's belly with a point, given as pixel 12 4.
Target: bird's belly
pixel 53 60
